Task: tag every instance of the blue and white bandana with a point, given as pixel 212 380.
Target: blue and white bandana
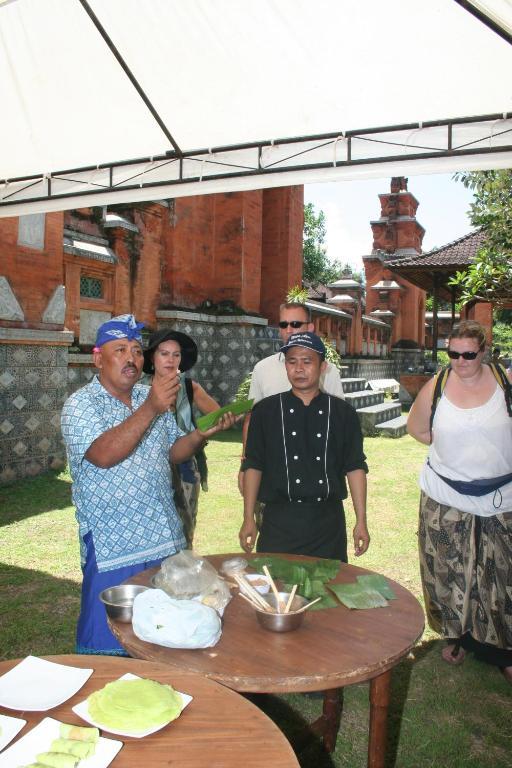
pixel 120 327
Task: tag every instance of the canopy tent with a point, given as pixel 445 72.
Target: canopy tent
pixel 128 100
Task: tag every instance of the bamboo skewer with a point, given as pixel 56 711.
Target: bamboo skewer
pixel 279 605
pixel 290 599
pixel 251 592
pixel 308 605
pixel 248 600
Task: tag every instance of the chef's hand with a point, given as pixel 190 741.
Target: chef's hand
pixel 361 539
pixel 247 535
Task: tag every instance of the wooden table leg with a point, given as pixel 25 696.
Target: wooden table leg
pixel 331 714
pixel 327 725
pixel 379 701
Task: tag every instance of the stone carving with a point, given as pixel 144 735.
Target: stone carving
pixel 399 184
pixel 9 306
pixel 90 321
pixel 55 312
pixel 31 230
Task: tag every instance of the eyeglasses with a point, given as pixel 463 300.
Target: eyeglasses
pixel 292 323
pixel 465 355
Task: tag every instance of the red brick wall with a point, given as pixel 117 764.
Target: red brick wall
pixel 389 236
pixel 482 313
pixel 32 274
pixel 408 304
pixel 281 262
pixel 142 257
pixel 213 251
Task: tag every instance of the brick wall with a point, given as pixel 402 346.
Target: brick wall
pixel 213 251
pixel 33 273
pixel 281 258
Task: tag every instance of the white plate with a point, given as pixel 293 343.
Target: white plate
pixel 9 727
pixel 82 710
pixel 39 740
pixel 35 684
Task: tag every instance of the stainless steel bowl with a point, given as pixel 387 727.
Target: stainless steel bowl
pixel 282 622
pixel 118 601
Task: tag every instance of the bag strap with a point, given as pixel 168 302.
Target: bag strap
pixel 499 374
pixel 200 455
pixel 501 377
pixel 440 380
pixel 189 389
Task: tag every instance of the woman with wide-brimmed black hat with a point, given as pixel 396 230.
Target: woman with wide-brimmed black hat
pixel 169 351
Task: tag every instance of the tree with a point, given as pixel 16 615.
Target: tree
pixel 489 277
pixel 502 337
pixel 317 267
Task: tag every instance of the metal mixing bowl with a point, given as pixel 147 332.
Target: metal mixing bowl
pixel 118 601
pixel 282 622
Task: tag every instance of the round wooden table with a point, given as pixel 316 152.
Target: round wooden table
pixel 334 647
pixel 218 728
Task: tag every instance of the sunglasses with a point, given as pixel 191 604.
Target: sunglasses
pixel 465 355
pixel 292 323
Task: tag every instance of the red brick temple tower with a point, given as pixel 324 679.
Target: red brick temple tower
pixel 396 234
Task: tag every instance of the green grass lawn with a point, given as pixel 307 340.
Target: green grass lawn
pixel 440 716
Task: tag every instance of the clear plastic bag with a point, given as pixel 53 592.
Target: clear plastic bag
pixel 160 619
pixel 188 577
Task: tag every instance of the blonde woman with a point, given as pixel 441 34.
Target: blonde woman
pixel 465 533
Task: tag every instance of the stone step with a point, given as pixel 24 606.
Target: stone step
pixel 393 428
pixel 384 385
pixel 364 398
pixel 372 415
pixel 352 385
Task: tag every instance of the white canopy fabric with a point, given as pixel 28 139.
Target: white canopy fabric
pixel 358 88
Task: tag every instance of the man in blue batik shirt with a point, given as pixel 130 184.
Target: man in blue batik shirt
pixel 120 437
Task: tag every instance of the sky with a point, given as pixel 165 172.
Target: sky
pixel 350 206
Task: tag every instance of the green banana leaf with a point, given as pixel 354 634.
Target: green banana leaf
pixel 310 577
pixel 357 596
pixel 209 420
pixel 378 582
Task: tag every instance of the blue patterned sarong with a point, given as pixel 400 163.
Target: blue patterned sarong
pixel 92 633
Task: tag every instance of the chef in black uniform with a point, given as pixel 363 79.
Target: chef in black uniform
pixel 302 447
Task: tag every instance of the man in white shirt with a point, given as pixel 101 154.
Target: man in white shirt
pixel 269 375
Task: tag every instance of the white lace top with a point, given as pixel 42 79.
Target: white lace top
pixel 470 444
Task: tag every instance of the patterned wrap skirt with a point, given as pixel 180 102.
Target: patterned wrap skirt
pixel 186 498
pixel 466 572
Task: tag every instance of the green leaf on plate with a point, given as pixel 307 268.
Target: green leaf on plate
pixel 357 596
pixel 378 582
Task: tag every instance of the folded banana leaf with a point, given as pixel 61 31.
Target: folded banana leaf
pixel 311 577
pixel 378 582
pixel 209 420
pixel 357 596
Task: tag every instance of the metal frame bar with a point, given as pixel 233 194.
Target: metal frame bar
pixel 485 19
pixel 126 69
pixel 233 168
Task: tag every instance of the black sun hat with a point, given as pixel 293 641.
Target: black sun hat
pixel 187 345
